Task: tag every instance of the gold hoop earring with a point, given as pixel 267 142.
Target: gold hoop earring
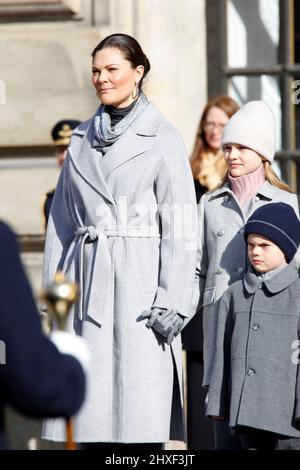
pixel 135 91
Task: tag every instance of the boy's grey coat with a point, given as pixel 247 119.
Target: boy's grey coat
pixel 222 255
pixel 107 232
pixel 254 380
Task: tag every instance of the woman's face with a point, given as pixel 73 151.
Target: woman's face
pixel 114 78
pixel 213 126
pixel 241 160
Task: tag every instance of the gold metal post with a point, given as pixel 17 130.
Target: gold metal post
pixel 59 297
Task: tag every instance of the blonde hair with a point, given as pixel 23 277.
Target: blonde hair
pixel 207 166
pixel 271 176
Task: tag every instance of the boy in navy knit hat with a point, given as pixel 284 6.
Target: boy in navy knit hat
pixel 255 380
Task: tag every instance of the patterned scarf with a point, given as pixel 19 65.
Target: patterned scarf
pixel 104 134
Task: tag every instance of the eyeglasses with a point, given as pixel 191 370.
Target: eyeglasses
pixel 209 126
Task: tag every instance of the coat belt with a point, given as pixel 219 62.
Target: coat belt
pixel 100 276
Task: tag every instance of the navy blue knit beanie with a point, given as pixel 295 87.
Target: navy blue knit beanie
pixel 278 222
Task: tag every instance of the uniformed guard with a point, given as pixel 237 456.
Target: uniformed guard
pixel 61 135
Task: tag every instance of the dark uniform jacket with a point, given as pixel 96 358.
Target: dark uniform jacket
pixel 34 377
pixel 47 205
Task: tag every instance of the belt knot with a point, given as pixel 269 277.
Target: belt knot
pixel 90 231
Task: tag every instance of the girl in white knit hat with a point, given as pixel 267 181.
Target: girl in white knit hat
pixel 249 147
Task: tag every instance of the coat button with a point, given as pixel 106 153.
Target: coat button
pixel 219 271
pixel 255 326
pixel 220 233
pixel 226 198
pixel 240 270
pixel 250 372
pixel 257 198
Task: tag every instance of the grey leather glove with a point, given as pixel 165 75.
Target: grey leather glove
pixel 166 322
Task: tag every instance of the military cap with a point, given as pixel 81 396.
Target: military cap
pixel 62 131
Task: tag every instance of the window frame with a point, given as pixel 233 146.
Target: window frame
pixel 286 71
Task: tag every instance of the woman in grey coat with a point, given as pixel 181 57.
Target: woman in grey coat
pixel 249 147
pixel 121 225
pixel 255 378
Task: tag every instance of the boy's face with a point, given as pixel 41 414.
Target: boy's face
pixel 264 255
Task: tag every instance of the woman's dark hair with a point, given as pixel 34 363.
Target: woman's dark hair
pixel 131 49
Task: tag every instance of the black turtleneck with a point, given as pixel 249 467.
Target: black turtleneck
pixel 117 114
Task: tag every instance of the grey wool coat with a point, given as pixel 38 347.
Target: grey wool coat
pixel 255 378
pixel 222 255
pixel 115 228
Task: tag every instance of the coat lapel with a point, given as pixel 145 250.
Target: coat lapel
pixel 86 159
pixel 135 141
pixel 128 146
pixel 283 279
pixel 251 281
pixel 280 281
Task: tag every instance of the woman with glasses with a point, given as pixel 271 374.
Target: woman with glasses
pixel 207 160
pixel 208 167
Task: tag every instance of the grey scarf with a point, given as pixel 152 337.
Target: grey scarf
pixel 104 134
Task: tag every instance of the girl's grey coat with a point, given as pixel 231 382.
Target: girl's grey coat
pixel 116 226
pixel 222 255
pixel 255 376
